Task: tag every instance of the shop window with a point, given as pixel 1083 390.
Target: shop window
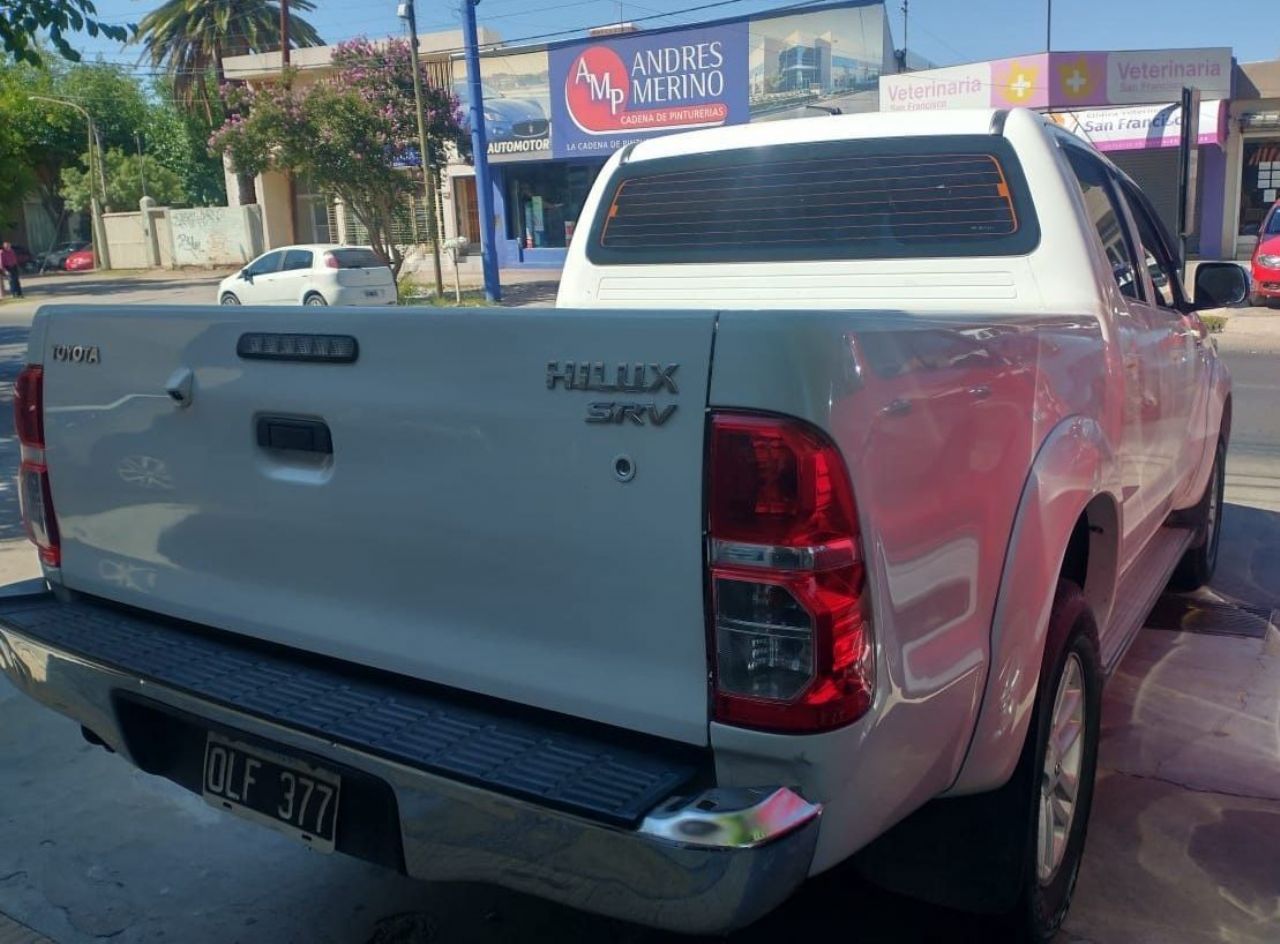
pixel 1259 183
pixel 544 201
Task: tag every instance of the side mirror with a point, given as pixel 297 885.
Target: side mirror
pixel 246 275
pixel 1220 285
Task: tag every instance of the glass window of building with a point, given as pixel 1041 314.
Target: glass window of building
pixel 1259 182
pixel 544 201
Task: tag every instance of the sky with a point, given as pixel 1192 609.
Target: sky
pixel 944 31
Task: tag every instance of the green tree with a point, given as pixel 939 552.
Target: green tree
pixel 126 175
pixel 189 39
pixel 351 134
pixel 21 20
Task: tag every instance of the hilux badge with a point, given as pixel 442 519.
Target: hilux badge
pixel 624 378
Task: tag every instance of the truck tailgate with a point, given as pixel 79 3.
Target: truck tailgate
pixel 467 525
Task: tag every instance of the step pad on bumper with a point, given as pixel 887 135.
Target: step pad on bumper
pixel 437 731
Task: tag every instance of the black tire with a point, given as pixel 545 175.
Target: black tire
pixel 1072 642
pixel 228 299
pixel 315 299
pixel 1196 568
pixel 979 853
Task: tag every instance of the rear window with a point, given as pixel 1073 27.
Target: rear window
pixel 961 195
pixel 357 259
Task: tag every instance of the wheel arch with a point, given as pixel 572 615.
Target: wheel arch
pixel 1067 526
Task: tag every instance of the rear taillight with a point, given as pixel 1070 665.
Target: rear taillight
pixel 330 261
pixel 34 494
pixel 790 629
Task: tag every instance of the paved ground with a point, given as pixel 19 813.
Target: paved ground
pixel 1184 843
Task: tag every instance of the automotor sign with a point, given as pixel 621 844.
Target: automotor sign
pixel 605 95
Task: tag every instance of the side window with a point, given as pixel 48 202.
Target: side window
pixel 267 264
pixel 297 259
pixel 1155 249
pixel 1104 212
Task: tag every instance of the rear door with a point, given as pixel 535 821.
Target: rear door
pixel 363 276
pixel 295 274
pixel 443 507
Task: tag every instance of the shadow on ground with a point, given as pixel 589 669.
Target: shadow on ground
pixel 58 287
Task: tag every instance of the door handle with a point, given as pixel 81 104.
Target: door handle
pixel 294 434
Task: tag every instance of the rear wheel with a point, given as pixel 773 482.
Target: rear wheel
pixel 1014 853
pixel 1058 768
pixel 228 299
pixel 316 299
pixel 1201 559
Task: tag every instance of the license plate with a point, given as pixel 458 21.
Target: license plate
pixel 372 292
pixel 284 793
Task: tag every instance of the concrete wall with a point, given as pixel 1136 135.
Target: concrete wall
pixel 218 236
pixel 163 237
pixel 127 240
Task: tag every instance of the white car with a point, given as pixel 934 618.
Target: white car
pixel 322 274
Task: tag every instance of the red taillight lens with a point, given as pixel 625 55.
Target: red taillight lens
pixel 34 494
pixel 36 501
pixel 791 639
pixel 28 406
pixel 331 261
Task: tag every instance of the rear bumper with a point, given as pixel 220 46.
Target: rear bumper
pixel 355 296
pixel 637 837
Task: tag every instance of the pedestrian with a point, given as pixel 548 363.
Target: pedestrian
pixel 9 262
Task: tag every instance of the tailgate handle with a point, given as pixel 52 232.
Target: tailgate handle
pixel 294 435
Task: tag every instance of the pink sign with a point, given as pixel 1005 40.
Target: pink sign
pixel 1064 80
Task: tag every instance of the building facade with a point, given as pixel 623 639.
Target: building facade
pixel 554 113
pixel 1126 102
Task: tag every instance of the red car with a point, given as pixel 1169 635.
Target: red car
pixel 1266 259
pixel 80 261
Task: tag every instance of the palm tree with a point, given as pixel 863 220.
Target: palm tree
pixel 190 38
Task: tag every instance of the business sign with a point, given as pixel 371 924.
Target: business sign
pixel 1064 80
pixel 517 104
pixel 1140 126
pixel 606 94
pixel 937 89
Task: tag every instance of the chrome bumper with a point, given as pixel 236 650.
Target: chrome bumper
pixel 706 863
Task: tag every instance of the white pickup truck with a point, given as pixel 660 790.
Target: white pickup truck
pixel 806 528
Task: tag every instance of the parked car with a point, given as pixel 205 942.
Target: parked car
pixel 1265 263
pixel 321 274
pixel 79 261
pixel 56 258
pixel 792 537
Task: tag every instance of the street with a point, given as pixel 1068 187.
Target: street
pixel 1184 842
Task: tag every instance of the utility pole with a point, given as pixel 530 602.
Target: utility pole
pixel 284 65
pixel 142 170
pixel 284 34
pixel 102 256
pixel 428 170
pixel 905 21
pixel 480 154
pixel 1048 26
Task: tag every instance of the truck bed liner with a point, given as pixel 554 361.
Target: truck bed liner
pixel 492 745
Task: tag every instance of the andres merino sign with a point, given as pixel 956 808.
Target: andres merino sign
pixel 606 94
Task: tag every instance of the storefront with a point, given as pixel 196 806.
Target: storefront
pixel 1125 102
pixel 1253 154
pixel 554 114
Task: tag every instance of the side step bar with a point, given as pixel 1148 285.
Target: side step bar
pixel 1139 589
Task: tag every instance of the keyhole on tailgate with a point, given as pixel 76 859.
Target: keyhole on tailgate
pixel 624 470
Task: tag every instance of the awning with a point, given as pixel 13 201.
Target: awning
pixel 1140 126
